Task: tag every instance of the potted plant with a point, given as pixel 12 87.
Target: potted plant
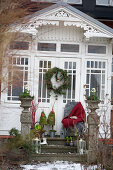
pixel 38 130
pixel 26 98
pixel 43 120
pixel 93 100
pixel 51 121
pixel 71 141
pixel 67 140
pixel 26 116
pixel 75 138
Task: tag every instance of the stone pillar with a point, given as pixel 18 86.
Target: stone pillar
pixel 93 131
pixel 26 116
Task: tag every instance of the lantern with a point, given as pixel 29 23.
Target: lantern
pixel 81 146
pixel 37 145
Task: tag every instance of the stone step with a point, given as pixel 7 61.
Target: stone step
pixel 50 157
pixel 56 141
pixel 58 149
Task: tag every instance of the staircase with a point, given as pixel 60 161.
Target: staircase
pixel 56 150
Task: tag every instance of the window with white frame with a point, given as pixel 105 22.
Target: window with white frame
pixel 54 1
pixel 17 77
pixel 46 47
pixel 95 78
pixel 104 2
pixel 70 48
pixel 19 45
pixel 96 49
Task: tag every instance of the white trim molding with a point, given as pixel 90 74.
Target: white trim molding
pixel 54 17
pixel 56 1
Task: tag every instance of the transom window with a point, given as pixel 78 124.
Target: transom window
pixel 96 49
pixel 46 47
pixel 104 2
pixel 43 93
pixel 17 77
pixel 95 78
pixel 19 45
pixel 69 48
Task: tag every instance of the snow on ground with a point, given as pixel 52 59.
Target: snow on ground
pixel 58 165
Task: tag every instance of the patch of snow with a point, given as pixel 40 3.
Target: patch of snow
pixel 58 165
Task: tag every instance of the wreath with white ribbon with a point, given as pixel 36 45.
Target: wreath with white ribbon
pixel 57 80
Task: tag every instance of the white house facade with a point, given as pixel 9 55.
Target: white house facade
pixel 64 37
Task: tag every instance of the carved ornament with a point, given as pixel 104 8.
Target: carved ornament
pixel 61 15
pixel 90 31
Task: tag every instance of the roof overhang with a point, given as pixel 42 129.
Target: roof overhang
pixel 62 12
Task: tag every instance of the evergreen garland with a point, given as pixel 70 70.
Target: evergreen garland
pixel 63 77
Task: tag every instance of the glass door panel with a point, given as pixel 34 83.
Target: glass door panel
pixel 72 66
pixel 43 93
pixel 95 78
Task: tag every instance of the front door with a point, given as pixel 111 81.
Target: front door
pixel 47 100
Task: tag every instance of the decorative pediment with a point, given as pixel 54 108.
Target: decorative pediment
pixel 61 14
pixel 68 18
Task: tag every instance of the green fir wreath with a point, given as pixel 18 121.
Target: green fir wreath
pixel 63 77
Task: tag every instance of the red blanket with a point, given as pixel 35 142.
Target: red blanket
pixel 77 111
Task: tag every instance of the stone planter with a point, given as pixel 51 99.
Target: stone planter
pixel 93 105
pixel 26 103
pixel 26 116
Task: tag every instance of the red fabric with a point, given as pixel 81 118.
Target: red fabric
pixel 77 111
